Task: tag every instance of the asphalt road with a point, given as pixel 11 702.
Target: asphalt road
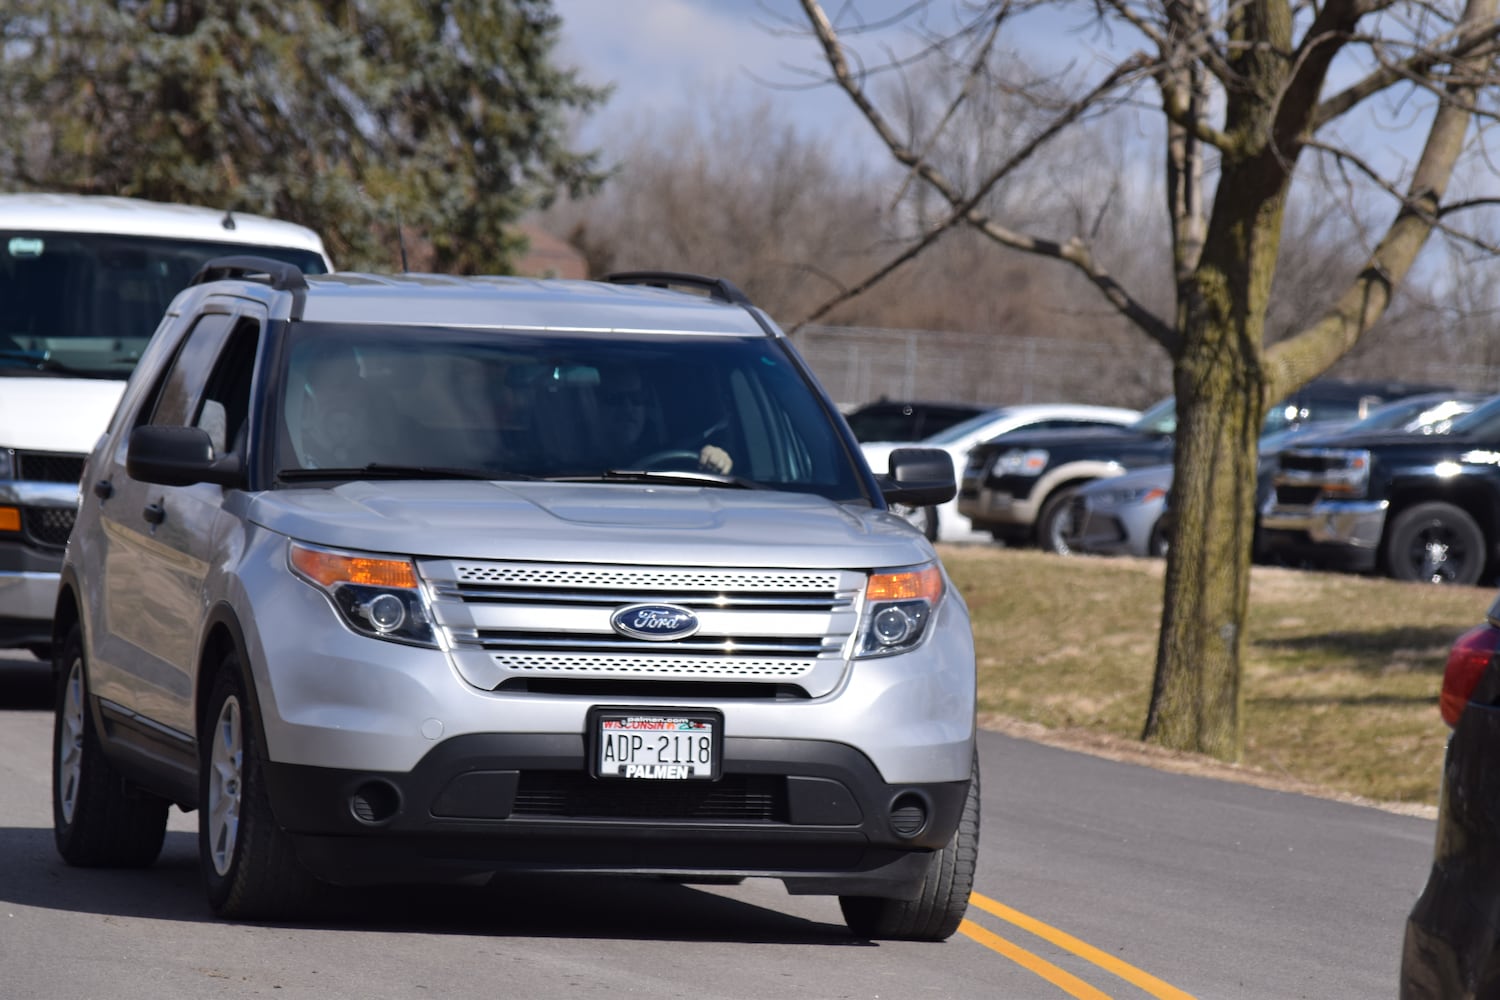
pixel 1096 879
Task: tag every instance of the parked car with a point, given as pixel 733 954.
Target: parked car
pixel 1129 514
pixel 1412 506
pixel 908 420
pixel 1452 940
pixel 1120 515
pixel 425 578
pixel 1020 488
pixel 943 522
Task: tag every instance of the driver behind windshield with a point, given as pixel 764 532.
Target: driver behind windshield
pixel 632 427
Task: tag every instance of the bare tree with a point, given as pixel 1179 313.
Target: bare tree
pixel 1247 97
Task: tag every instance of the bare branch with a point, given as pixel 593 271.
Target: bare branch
pixel 1367 299
pixel 1469 39
pixel 976 71
pixel 965 209
pixel 1432 214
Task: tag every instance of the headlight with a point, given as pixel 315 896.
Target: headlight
pixel 376 596
pixel 898 606
pixel 1125 497
pixel 1021 463
pixel 1348 475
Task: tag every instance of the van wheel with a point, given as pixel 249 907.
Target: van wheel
pixel 250 869
pixel 99 820
pixel 1435 542
pixel 944 898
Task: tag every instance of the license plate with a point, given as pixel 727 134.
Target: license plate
pixel 657 745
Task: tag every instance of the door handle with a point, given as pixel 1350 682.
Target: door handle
pixel 104 489
pixel 155 513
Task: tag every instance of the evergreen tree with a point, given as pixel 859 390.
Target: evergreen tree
pixel 344 115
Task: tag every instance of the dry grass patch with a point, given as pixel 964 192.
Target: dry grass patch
pixel 1341 674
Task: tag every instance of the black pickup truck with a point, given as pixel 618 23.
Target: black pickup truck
pixel 1413 507
pixel 1018 486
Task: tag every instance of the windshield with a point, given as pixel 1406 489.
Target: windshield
pixel 962 430
pixel 442 401
pixel 1483 422
pixel 1160 419
pixel 86 303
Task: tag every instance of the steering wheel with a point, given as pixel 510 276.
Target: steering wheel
pixel 665 459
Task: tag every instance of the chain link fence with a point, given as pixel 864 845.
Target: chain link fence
pixel 859 364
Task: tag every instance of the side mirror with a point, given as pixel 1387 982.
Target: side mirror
pixel 919 477
pixel 178 456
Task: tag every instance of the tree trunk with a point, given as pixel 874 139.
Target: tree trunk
pixel 1196 696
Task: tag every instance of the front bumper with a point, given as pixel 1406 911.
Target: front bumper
pixel 1344 532
pixel 30 561
pixel 815 814
pixel 998 510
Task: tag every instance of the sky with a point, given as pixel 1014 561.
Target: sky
pixel 679 56
pixel 665 55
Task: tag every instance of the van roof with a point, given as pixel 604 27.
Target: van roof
pixel 79 213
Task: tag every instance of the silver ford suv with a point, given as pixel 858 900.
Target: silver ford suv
pixel 423 578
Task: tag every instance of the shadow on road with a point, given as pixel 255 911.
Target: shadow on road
pixel 560 906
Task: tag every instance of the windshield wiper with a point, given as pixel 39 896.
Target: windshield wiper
pixel 380 470
pixel 662 476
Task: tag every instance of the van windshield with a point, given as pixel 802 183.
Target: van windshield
pixel 86 303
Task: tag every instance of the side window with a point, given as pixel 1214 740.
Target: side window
pixel 173 397
pixel 225 409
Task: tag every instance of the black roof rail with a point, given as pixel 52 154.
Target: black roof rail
pixel 281 276
pixel 720 288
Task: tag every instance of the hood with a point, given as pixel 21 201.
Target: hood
pixel 56 414
pixel 1383 440
pixel 593 522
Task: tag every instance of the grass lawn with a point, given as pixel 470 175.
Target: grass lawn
pixel 1341 674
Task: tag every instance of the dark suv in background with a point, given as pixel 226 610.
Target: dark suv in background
pixel 896 420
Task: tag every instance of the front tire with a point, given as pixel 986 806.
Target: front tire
pixel 99 820
pixel 1436 542
pixel 944 898
pixel 250 869
pixel 1054 525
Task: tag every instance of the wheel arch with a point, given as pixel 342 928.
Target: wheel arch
pixel 1066 477
pixel 66 613
pixel 224 635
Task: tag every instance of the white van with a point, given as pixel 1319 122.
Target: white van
pixel 84 282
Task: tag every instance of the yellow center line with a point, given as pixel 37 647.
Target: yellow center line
pixel 1088 952
pixel 1060 978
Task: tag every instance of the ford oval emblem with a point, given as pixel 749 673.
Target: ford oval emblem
pixel 655 622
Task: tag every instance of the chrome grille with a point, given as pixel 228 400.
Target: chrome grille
pixel 772 627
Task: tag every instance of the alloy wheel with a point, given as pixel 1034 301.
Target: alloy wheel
pixel 225 785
